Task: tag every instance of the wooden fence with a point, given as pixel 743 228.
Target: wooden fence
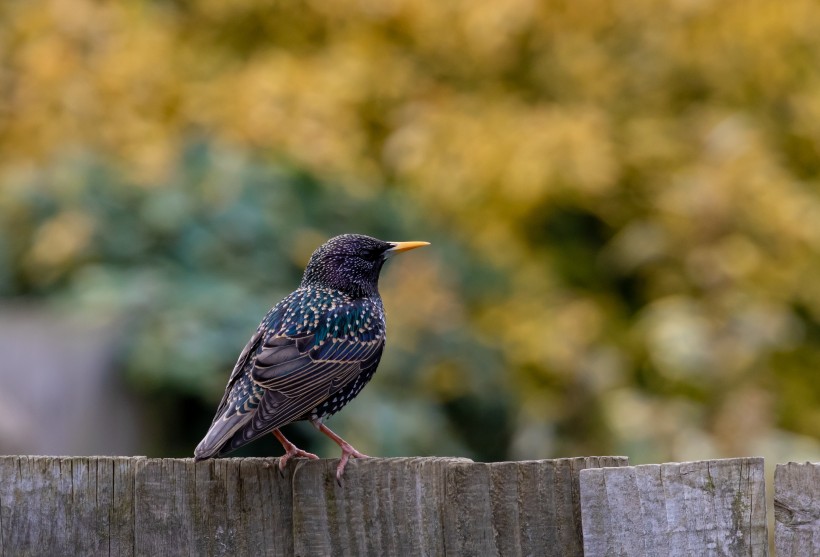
pixel 593 506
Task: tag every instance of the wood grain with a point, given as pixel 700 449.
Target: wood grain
pixel 797 509
pixel 402 506
pixel 708 508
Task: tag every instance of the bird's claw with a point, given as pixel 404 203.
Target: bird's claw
pixel 347 452
pixel 291 453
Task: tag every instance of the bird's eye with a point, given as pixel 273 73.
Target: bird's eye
pixel 370 255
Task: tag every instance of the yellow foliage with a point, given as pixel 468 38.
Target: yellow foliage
pixel 675 142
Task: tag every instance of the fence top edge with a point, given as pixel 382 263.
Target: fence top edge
pixel 793 463
pixel 746 460
pixel 267 461
pixel 63 458
pixel 559 462
pixel 273 459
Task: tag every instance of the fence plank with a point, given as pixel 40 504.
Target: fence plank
pixel 382 507
pixel 536 506
pixel 797 509
pixel 53 506
pixel 710 508
pixel 431 506
pixel 406 506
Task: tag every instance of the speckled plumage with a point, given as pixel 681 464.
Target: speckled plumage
pixel 312 353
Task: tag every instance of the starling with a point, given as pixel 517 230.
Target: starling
pixel 312 353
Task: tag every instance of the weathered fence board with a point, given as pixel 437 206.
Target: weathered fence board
pixel 48 504
pixel 434 506
pixel 407 506
pixel 384 507
pixel 797 509
pixel 709 508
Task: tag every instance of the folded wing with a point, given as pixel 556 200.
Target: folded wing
pixel 284 374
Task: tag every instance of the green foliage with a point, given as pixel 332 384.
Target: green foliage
pixel 193 264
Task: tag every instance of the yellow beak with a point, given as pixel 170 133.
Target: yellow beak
pixel 399 247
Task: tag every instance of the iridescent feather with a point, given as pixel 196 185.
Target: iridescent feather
pixel 313 352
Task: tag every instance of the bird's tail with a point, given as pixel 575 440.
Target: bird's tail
pixel 216 441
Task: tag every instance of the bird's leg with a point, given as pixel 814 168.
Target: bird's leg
pixel 347 448
pixel 291 451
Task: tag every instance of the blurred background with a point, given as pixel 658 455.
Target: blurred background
pixel 623 200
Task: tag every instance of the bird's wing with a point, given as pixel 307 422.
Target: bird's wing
pixel 290 371
pixel 242 362
pixel 301 373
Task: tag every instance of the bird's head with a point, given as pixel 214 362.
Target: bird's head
pixel 351 263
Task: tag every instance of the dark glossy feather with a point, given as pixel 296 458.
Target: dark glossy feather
pixel 316 345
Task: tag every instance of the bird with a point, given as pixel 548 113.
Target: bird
pixel 312 353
